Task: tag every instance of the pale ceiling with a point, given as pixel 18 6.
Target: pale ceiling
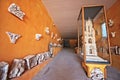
pixel 65 13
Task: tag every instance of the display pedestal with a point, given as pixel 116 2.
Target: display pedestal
pixel 89 67
pixel 95 41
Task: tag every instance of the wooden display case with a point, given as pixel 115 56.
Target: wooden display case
pixel 95 39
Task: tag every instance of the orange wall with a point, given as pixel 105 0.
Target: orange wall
pixel 35 21
pixel 114 14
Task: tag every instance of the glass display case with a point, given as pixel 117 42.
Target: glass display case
pixel 95 41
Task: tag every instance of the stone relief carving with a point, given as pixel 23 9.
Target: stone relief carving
pixel 31 61
pixel 3 70
pixel 55 36
pixel 50 49
pixel 110 22
pixel 18 68
pixel 52 35
pixel 40 58
pixel 97 74
pixel 13 37
pixel 46 55
pixel 54 45
pixel 15 10
pixel 113 34
pixel 38 36
pixel 59 39
pixel 47 30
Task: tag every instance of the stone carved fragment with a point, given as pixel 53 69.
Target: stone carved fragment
pixel 18 68
pixel 46 55
pixel 31 61
pixel 40 57
pixel 54 45
pixel 59 39
pixel 97 74
pixel 50 49
pixel 55 36
pixel 3 70
pixel 59 45
pixel 52 35
pixel 38 36
pixel 110 22
pixel 47 30
pixel 113 34
pixel 13 37
pixel 15 10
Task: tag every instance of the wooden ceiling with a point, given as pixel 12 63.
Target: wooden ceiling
pixel 65 13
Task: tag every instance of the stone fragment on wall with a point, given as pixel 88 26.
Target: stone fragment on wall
pixel 13 37
pixel 52 35
pixel 50 49
pixel 46 55
pixel 18 68
pixel 31 61
pixel 59 45
pixel 40 57
pixel 47 30
pixel 3 70
pixel 15 10
pixel 38 36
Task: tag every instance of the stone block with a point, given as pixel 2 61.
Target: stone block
pixel 31 61
pixel 18 68
pixel 40 57
pixel 4 66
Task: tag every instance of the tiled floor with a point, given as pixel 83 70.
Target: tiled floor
pixel 67 66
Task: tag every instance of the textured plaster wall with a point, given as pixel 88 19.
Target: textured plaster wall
pixel 114 14
pixel 35 21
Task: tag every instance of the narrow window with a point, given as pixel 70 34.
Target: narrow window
pixel 104 30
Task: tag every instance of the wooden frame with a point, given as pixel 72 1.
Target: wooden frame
pixel 101 65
